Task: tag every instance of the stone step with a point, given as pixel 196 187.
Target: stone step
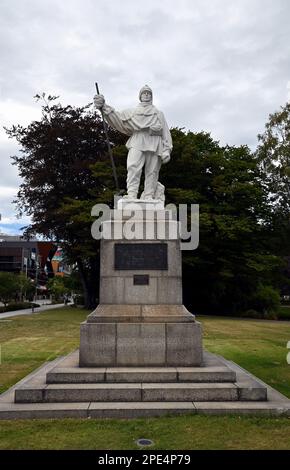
pixel 128 410
pixel 137 392
pixel 251 396
pixel 66 375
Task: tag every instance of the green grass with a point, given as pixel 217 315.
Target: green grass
pixel 183 432
pixel 30 340
pixel 259 346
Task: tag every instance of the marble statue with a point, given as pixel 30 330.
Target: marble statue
pixel 149 145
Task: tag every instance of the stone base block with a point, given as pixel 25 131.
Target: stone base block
pixel 141 344
pixel 140 204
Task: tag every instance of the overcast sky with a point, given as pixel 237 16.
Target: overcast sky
pixel 215 65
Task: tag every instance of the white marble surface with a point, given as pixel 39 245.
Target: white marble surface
pixel 149 142
pixel 140 204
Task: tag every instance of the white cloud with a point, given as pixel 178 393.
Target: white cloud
pixel 14 221
pixel 10 222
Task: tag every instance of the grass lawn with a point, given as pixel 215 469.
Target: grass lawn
pixel 30 340
pixel 259 346
pixel 168 433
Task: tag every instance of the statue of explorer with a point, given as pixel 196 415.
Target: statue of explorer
pixel 149 145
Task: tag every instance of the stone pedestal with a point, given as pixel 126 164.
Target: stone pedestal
pixel 140 320
pixel 140 350
pixel 160 335
pixel 143 204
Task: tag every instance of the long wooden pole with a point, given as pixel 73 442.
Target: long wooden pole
pixel 109 146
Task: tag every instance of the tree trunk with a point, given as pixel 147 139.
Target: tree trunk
pixel 90 282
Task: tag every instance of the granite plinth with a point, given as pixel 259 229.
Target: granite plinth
pixel 139 341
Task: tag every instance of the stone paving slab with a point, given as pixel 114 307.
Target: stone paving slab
pixel 189 392
pixel 149 409
pixel 74 375
pixel 206 374
pixel 139 374
pixel 43 410
pixel 243 408
pixel 70 393
pixel 128 410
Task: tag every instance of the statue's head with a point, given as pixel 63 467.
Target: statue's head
pixel 145 94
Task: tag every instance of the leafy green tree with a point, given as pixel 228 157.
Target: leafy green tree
pixel 25 286
pixel 73 282
pixel 57 287
pixel 9 287
pixel 235 255
pixel 65 170
pixel 273 153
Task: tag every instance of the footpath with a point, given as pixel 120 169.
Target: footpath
pixel 28 311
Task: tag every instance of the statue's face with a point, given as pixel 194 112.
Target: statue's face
pixel 146 96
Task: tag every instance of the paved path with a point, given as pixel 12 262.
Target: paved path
pixel 28 311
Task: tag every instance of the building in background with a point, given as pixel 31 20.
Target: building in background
pixel 59 265
pixel 39 260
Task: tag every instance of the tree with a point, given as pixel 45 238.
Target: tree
pixel 73 282
pixel 9 287
pixel 235 255
pixel 65 170
pixel 57 287
pixel 25 286
pixel 273 153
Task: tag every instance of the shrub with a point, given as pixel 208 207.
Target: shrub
pixel 251 314
pixel 284 313
pixel 266 300
pixel 18 306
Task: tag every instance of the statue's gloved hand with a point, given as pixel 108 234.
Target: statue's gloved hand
pixel 99 101
pixel 165 158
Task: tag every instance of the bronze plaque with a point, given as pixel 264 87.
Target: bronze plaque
pixel 141 256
